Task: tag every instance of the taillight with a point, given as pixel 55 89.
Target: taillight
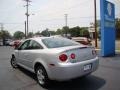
pixel 72 56
pixel 63 57
pixel 94 52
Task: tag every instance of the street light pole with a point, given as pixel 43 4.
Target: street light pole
pixel 25 30
pixel 27 15
pixel 66 19
pixel 66 15
pixel 95 23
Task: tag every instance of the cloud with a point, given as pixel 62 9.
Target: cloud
pixel 49 13
pixel 52 13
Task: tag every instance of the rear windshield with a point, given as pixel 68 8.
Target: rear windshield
pixel 58 42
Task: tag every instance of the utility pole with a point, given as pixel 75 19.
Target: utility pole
pixel 25 29
pixel 95 23
pixel 27 15
pixel 66 15
pixel 66 20
pixel 3 36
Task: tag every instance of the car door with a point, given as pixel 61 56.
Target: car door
pixel 32 54
pixel 23 52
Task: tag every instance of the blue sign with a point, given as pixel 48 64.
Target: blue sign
pixel 107 10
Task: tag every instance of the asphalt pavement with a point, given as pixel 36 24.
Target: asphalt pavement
pixel 107 77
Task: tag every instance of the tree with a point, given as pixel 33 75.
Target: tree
pixel 59 32
pixel 75 31
pixel 0 35
pixel 65 30
pixel 52 32
pixel 117 25
pixel 38 33
pixel 5 34
pixel 18 35
pixel 84 32
pixel 45 33
pixel 30 35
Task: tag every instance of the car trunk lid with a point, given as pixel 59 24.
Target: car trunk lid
pixel 82 53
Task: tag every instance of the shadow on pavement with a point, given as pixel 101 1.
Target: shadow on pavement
pixel 28 73
pixel 89 83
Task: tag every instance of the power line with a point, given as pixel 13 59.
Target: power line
pixel 16 26
pixel 72 7
pixel 56 19
pixel 11 22
pixel 70 18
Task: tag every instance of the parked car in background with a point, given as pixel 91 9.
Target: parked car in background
pixel 55 58
pixel 1 42
pixel 16 43
pixel 11 43
pixel 7 42
pixel 82 40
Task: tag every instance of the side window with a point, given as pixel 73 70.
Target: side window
pixel 35 45
pixel 25 45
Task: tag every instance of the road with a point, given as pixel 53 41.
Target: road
pixel 107 77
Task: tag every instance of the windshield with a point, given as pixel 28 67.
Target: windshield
pixel 58 42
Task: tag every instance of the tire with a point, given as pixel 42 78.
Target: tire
pixel 42 76
pixel 13 62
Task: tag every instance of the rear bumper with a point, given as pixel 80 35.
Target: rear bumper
pixel 69 71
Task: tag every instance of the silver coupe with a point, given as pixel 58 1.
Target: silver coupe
pixel 55 58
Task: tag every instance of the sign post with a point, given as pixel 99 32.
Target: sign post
pixel 107 28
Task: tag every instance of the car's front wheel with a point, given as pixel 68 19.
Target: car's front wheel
pixel 13 62
pixel 42 76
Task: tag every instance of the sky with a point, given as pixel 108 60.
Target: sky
pixel 49 14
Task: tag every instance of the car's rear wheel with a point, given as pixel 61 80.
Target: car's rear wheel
pixel 13 62
pixel 42 76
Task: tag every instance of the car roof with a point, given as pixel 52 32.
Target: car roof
pixel 38 38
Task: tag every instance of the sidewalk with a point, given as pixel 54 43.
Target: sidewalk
pixel 99 45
